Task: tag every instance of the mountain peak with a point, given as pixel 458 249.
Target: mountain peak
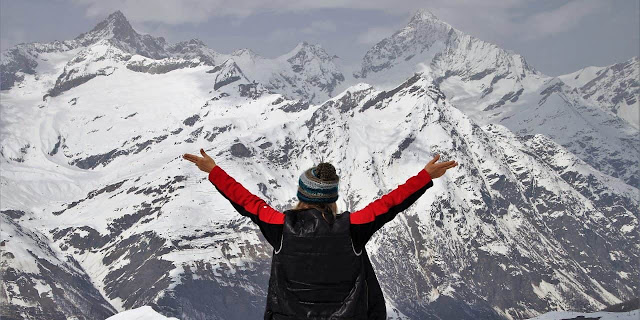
pixel 115 25
pixel 243 52
pixel 308 47
pixel 196 41
pixel 118 17
pixel 422 15
pixel 430 25
pixel 117 31
pixel 301 45
pixel 315 49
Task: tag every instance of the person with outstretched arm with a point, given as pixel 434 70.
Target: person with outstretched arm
pixel 320 268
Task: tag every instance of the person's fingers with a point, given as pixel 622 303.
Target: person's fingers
pixel 192 158
pixel 444 164
pixel 203 153
pixel 437 156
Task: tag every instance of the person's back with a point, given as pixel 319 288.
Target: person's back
pixel 320 268
pixel 316 272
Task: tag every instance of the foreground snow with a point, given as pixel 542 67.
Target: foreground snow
pixel 142 313
pixel 558 315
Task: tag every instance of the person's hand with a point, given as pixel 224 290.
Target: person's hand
pixel 204 163
pixel 436 170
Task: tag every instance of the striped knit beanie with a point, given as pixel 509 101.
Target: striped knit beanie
pixel 318 184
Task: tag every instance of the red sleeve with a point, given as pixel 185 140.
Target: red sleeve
pixel 368 220
pixel 383 205
pixel 239 196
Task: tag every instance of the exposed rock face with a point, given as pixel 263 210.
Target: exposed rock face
pixel 162 66
pixel 228 72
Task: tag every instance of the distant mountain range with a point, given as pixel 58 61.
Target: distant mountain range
pixel 100 214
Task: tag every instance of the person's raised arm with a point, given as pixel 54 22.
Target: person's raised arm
pixel 366 221
pixel 268 219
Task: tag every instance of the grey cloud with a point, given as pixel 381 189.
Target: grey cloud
pixel 375 34
pixel 561 19
pixel 320 26
pixel 496 17
pixel 12 37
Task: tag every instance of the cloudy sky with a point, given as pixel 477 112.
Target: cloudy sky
pixel 555 36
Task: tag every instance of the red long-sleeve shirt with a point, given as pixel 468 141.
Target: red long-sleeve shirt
pixel 364 222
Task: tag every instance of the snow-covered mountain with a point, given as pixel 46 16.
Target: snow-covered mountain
pixel 614 88
pixel 432 44
pixel 96 199
pixel 308 72
pixel 593 119
pixel 115 31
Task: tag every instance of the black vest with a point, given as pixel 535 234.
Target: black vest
pixel 316 273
